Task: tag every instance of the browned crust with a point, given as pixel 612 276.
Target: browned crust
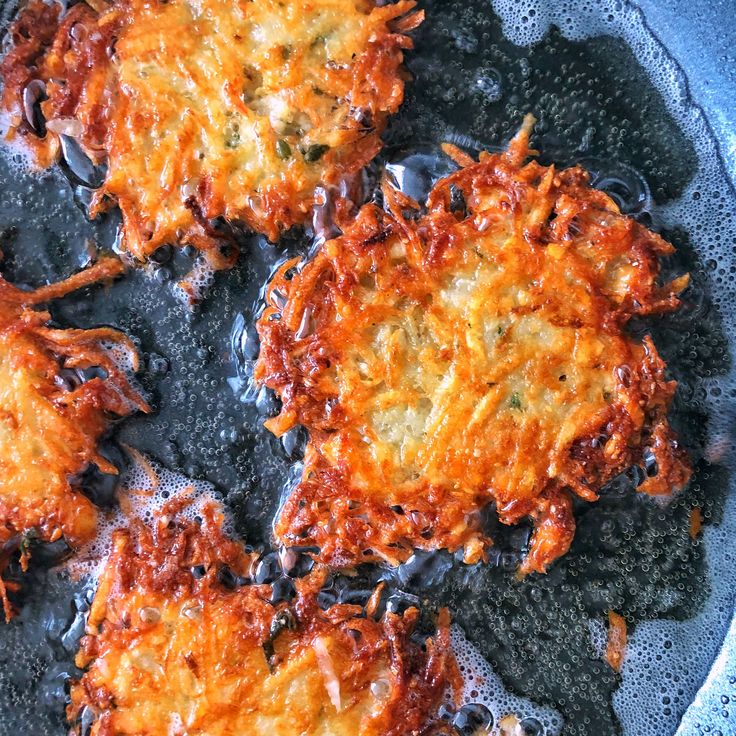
pixel 154 564
pixel 82 415
pixel 547 209
pixel 82 85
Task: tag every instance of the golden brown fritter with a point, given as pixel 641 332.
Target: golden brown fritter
pixel 473 354
pixel 210 108
pixel 49 430
pixel 170 653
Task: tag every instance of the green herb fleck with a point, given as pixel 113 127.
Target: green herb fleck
pixel 315 152
pixel 515 401
pixel 607 395
pixel 499 329
pixel 283 149
pixel 26 541
pixel 232 135
pixel 283 621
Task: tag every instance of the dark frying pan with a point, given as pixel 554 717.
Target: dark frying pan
pixel 643 96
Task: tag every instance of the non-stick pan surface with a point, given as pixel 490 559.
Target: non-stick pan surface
pixel 608 94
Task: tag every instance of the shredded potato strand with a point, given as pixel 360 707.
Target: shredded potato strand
pixel 171 652
pixel 49 430
pixel 212 108
pixel 477 353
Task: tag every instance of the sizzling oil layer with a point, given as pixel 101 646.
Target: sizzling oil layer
pixel 173 653
pixel 470 355
pixel 213 108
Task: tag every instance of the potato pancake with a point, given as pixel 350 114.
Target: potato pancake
pixel 51 419
pixel 171 649
pixel 208 109
pixel 472 354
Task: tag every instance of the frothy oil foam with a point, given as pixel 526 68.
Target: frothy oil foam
pixel 143 490
pixel 482 685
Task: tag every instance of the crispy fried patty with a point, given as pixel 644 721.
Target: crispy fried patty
pixel 472 354
pixel 208 109
pixel 51 418
pixel 173 650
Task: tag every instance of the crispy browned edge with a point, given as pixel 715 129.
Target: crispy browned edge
pixel 158 559
pixel 95 402
pixel 324 509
